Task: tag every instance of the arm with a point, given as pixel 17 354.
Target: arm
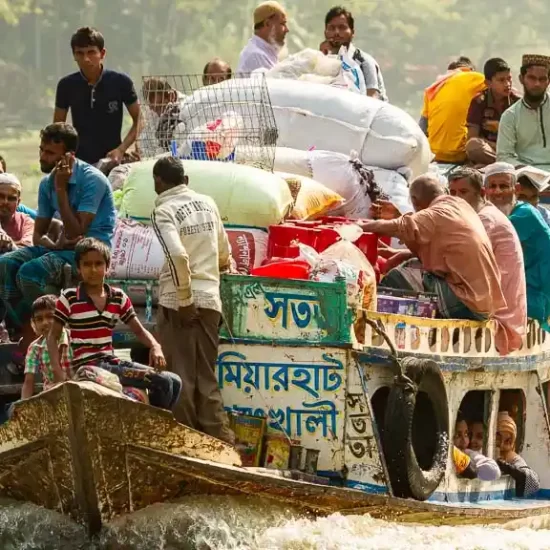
pixel 178 260
pixel 224 249
pixel 389 228
pixel 370 72
pixel 130 99
pixel 28 386
pixel 474 118
pixel 60 115
pixel 40 234
pixel 31 368
pixel 62 102
pixel 487 468
pixel 423 122
pixel 132 134
pixel 53 349
pixel 527 480
pixel 43 217
pixel 507 139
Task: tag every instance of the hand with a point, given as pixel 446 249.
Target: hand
pixel 63 172
pixel 188 314
pixel 116 155
pixel 386 251
pixel 384 210
pixel 64 243
pixel 156 358
pixel 59 375
pixel 6 243
pixel 397 260
pixel 504 466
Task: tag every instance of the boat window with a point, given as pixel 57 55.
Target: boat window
pixel 513 401
pixel 474 413
pixel 379 401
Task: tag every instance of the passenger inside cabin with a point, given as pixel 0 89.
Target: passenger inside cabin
pixel 17 227
pixel 91 312
pixel 486 110
pixel 529 191
pixel 37 360
pixel 449 253
pixel 525 127
pixel 216 71
pixel 464 466
pixel 534 235
pixel 467 183
pixel 509 462
pixel 445 110
pixel 484 468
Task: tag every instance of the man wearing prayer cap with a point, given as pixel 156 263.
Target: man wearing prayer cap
pixel 17 227
pixel 524 131
pixel 270 30
pixel 534 234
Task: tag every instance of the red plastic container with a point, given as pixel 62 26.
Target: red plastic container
pixel 327 237
pixel 284 269
pixel 367 243
pixel 283 235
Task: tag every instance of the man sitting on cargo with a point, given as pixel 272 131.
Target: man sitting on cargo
pixel 446 104
pixel 455 258
pixel 534 235
pixel 486 110
pixel 467 183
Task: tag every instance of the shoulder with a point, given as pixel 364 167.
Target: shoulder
pixel 480 99
pixel 514 96
pixel 70 80
pixel 69 295
pixel 46 183
pixel 36 345
pixel 117 77
pixel 86 172
pixel 117 294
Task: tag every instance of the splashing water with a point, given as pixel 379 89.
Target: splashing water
pixel 231 523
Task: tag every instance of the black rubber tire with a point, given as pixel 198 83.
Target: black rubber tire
pixel 417 473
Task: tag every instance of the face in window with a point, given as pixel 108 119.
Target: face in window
pixel 527 193
pixel 462 436
pixel 477 433
pixel 505 443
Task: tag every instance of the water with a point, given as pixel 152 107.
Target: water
pixel 227 523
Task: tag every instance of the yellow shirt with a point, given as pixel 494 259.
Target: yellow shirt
pixel 446 105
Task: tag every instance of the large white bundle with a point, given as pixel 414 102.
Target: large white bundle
pixel 314 115
pixel 244 195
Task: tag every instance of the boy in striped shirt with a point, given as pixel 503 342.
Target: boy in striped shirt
pixel 91 312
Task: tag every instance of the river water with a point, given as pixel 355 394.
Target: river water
pixel 214 523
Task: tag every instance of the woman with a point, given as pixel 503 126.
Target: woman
pixel 510 463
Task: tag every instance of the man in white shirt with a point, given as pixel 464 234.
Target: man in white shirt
pixel 190 230
pixel 270 30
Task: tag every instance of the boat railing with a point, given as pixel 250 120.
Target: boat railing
pixel 451 337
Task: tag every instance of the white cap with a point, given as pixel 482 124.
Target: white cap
pixel 499 168
pixel 10 179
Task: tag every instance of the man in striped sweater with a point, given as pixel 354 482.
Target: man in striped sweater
pixel 196 246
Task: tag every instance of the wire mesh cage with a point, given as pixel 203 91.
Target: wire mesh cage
pixel 228 120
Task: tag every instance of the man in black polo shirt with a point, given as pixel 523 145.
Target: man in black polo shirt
pixel 95 96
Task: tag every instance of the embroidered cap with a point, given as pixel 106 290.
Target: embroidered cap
pixel 529 60
pixel 10 179
pixel 266 10
pixel 499 168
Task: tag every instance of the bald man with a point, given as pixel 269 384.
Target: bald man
pixel 453 254
pixel 216 71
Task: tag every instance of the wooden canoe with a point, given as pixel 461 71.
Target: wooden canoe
pixel 85 452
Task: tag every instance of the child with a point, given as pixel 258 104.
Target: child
pixel 38 358
pixel 526 191
pixel 91 312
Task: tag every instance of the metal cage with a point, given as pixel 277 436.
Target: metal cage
pixel 230 120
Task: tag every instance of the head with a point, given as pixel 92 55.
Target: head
pixel 424 190
pixel 527 192
pixel 216 71
pixel 534 77
pixel 507 433
pixel 462 62
pixel 10 195
pixel 270 23
pixel 88 46
pixel 500 186
pixel 92 259
pixel 56 140
pixel 157 93
pixel 339 28
pixel 168 172
pixel 3 167
pixel 498 77
pixel 462 435
pixel 467 183
pixel 42 311
pixel 477 435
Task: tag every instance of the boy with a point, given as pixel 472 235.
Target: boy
pixel 485 112
pixel 95 96
pixel 91 312
pixel 527 191
pixel 38 358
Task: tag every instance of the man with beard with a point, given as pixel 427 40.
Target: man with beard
pixel 534 235
pixel 339 31
pixel 524 131
pixel 270 30
pixel 82 197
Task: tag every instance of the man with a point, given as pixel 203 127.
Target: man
pixel 339 31
pixel 270 30
pixel 82 197
pixel 446 104
pixel 486 110
pixel 533 233
pixel 216 71
pixel 467 183
pixel 456 259
pixel 95 96
pixel 17 227
pixel 525 127
pixel 196 246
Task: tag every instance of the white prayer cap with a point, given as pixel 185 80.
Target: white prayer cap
pixel 10 179
pixel 500 168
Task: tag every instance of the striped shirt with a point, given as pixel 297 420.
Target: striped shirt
pixel 91 330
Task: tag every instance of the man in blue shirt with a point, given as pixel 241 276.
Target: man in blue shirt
pixel 81 196
pixel 95 96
